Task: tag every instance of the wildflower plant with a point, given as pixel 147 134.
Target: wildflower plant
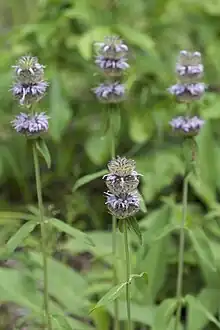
pixel 28 88
pixel 122 201
pixel 189 71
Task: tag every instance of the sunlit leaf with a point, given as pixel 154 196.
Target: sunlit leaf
pixel 75 233
pixel 44 151
pixel 18 238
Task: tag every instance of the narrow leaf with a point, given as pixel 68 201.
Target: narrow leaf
pixel 44 151
pixel 77 234
pixel 18 238
pixel 88 178
pixel 138 276
pixel 121 225
pixel 110 296
pixel 114 292
pixel 134 226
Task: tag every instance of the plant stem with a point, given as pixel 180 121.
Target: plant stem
pixel 114 234
pixel 179 286
pixel 43 236
pixel 127 274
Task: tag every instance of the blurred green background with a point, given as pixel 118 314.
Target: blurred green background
pixel 61 34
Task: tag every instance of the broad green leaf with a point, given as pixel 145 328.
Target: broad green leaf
pixel 136 37
pixel 18 238
pixel 115 292
pixel 88 178
pixel 77 234
pixel 164 314
pixel 202 247
pixel 149 256
pixel 143 314
pixel 98 148
pixel 202 309
pixel 73 300
pixel 101 319
pixel 134 226
pixel 44 151
pixel 207 160
pixel 61 322
pixel 60 113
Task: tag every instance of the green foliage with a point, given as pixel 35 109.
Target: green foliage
pixel 61 34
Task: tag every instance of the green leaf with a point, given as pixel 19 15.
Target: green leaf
pixel 61 322
pixel 97 148
pixel 44 151
pixel 140 313
pixel 77 234
pixel 134 226
pixel 163 314
pixel 115 292
pixel 121 225
pixel 202 247
pixel 60 113
pixel 110 296
pixel 200 309
pixel 101 319
pixel 19 237
pixel 88 178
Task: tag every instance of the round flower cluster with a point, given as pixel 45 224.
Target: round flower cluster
pixel 189 70
pixel 111 58
pixel 29 87
pixel 29 124
pixel 122 182
pixel 188 126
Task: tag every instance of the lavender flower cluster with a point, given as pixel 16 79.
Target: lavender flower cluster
pixel 122 182
pixel 28 88
pixel 189 70
pixel 111 59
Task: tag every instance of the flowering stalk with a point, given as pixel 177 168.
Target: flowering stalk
pixel 189 70
pixel 123 203
pixel 181 254
pixel 111 60
pixel 127 259
pixel 43 235
pixel 29 87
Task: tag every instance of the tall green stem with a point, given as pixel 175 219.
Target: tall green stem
pixel 43 236
pixel 114 234
pixel 127 257
pixel 179 286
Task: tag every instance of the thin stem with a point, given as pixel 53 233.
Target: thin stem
pixel 127 257
pixel 43 236
pixel 114 234
pixel 179 286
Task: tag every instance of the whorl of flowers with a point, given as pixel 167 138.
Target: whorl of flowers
pixel 188 126
pixel 29 84
pixel 29 124
pixel 111 58
pixel 122 182
pixel 189 70
pixel 29 87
